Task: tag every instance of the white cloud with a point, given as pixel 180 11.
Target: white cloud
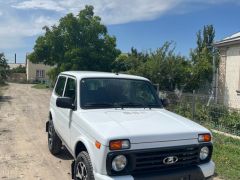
pixel 111 11
pixel 39 4
pixel 116 11
pixel 14 30
pixel 124 11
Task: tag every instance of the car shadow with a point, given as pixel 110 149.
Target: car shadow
pixel 64 154
pixel 5 98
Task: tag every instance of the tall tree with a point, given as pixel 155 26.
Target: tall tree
pixel 79 42
pixel 202 59
pixel 4 69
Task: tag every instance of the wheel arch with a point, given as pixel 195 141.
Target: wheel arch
pixel 79 147
pixel 83 144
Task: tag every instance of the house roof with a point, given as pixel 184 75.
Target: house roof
pixel 230 40
pixel 94 74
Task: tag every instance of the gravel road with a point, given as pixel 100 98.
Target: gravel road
pixel 23 142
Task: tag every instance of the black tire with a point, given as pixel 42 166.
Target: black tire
pixel 54 142
pixel 83 167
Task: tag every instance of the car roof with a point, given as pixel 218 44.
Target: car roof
pixel 95 74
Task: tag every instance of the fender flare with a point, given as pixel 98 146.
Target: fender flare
pixel 88 147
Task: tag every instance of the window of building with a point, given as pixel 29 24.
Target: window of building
pixel 40 73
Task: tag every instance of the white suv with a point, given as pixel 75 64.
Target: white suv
pixel 116 128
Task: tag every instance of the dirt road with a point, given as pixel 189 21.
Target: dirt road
pixel 23 142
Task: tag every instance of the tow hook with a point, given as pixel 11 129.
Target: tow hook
pixel 72 168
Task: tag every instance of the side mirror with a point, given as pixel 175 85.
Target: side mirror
pixel 165 102
pixel 65 102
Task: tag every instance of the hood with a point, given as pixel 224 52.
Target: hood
pixel 141 125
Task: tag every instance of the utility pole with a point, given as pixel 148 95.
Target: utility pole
pixel 15 59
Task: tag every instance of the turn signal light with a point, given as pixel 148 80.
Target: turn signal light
pixel 119 144
pixel 98 144
pixel 204 137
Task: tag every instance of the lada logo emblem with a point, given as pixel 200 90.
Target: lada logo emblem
pixel 170 160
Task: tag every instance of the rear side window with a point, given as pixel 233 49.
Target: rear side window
pixel 70 90
pixel 60 85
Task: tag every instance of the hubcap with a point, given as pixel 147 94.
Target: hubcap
pixel 81 171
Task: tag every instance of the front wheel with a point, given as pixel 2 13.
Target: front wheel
pixel 54 142
pixel 83 167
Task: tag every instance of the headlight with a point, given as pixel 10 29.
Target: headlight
pixel 119 163
pixel 204 152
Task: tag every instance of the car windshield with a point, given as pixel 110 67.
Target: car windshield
pixel 117 93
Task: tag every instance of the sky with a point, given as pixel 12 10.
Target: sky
pixel 143 24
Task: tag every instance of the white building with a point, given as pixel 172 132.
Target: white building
pixel 37 72
pixel 229 71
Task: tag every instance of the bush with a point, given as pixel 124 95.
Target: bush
pixel 214 116
pixel 231 120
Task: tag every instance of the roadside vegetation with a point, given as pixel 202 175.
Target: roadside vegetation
pixel 4 69
pixel 215 116
pixel 226 155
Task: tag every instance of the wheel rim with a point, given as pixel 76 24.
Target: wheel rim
pixel 50 133
pixel 81 171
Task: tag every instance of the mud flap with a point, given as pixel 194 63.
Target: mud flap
pixel 47 124
pixel 72 168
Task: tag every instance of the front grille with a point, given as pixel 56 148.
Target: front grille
pixel 153 160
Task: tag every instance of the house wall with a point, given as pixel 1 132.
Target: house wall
pixel 222 75
pixel 31 71
pixel 17 77
pixel 232 77
pixel 15 65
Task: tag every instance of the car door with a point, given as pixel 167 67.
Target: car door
pixel 58 92
pixel 68 114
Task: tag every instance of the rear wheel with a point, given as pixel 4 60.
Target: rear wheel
pixel 54 142
pixel 83 167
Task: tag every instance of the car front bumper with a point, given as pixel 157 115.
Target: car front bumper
pixel 200 172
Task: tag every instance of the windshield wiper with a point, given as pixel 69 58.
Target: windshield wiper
pixel 153 106
pixel 131 104
pixel 98 105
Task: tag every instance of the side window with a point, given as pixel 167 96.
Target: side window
pixel 70 90
pixel 60 85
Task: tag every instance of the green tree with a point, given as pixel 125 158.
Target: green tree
pixel 202 59
pixel 162 66
pixel 79 42
pixel 4 69
pixel 130 62
pixel 120 64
